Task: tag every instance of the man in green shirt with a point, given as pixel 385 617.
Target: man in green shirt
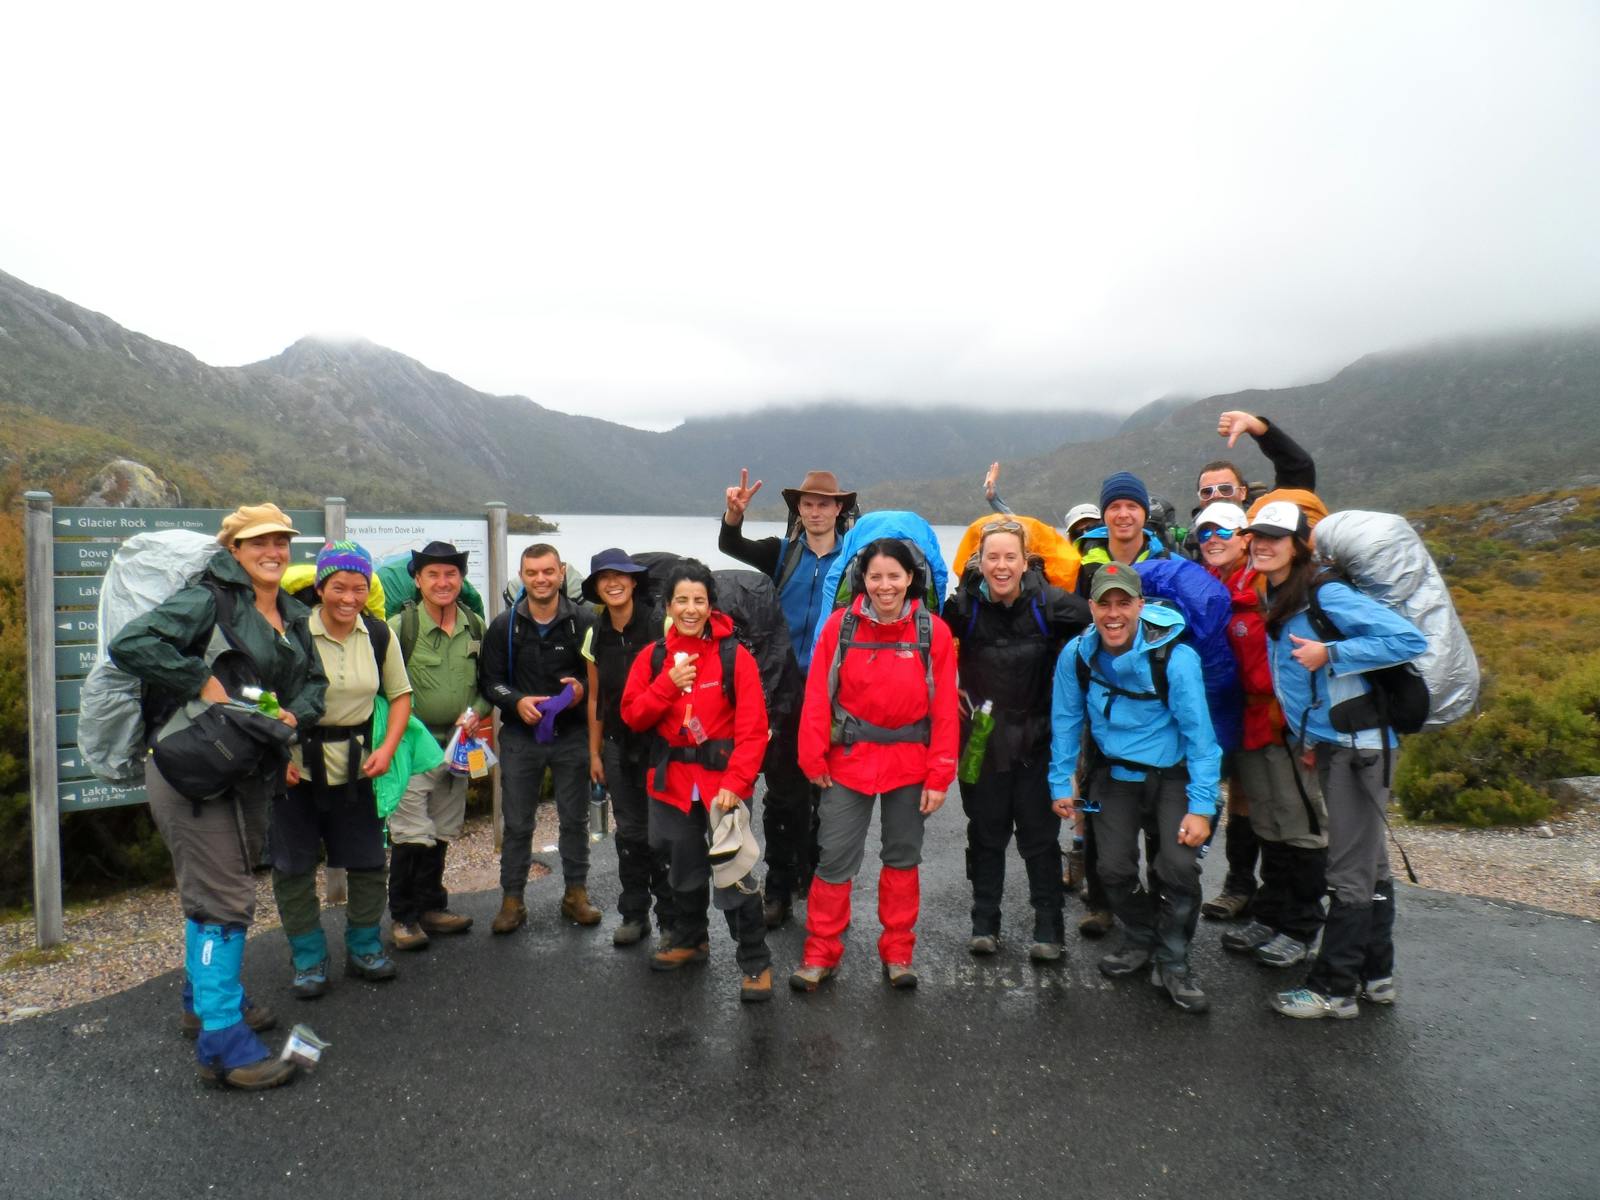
pixel 440 638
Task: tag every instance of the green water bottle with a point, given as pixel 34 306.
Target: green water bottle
pixel 977 743
pixel 269 706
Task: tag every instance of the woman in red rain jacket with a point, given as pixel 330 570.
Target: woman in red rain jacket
pixel 709 742
pixel 1266 806
pixel 880 720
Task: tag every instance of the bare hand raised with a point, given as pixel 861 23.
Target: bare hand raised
pixel 991 481
pixel 1309 654
pixel 739 497
pixel 683 673
pixel 1235 423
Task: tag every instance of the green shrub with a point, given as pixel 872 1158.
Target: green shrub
pixel 1488 771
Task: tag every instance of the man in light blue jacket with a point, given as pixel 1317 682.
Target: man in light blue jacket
pixel 1153 759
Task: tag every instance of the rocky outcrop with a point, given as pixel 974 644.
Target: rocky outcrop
pixel 128 484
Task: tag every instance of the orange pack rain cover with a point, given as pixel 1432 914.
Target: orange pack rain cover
pixel 1045 542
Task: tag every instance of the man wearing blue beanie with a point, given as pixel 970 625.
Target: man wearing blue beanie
pixel 1121 536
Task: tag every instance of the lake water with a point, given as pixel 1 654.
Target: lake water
pixel 583 535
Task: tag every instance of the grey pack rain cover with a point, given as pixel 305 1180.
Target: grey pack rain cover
pixel 1387 560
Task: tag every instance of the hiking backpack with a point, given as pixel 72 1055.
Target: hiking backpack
pixel 146 570
pixel 1382 556
pixel 750 600
pixel 1207 609
pixel 844 579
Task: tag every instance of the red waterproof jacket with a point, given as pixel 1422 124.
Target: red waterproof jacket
pixel 657 704
pixel 890 689
pixel 1247 635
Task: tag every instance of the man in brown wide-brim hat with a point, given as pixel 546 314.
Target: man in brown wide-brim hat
pixel 819 513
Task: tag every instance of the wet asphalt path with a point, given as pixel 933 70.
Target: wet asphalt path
pixel 548 1063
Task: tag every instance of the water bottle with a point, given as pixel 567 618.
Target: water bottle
pixel 266 702
pixel 597 811
pixel 977 743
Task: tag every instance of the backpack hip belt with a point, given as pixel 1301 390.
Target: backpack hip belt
pixel 713 755
pixel 315 739
pixel 849 729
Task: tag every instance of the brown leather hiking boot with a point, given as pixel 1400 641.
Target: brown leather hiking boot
pixel 674 957
pixel 444 922
pixel 257 1016
pixel 753 989
pixel 575 905
pixel 1098 923
pixel 407 936
pixel 513 913
pixel 256 1077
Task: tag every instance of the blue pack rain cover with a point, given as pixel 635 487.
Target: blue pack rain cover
pixel 888 523
pixel 1207 609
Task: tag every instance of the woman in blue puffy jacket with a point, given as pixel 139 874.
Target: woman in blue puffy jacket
pixel 1311 676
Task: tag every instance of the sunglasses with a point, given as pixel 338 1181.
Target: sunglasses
pixel 1226 491
pixel 1205 535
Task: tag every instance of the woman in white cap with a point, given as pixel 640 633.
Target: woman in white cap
pixel 1263 793
pixel 216 843
pixel 1312 676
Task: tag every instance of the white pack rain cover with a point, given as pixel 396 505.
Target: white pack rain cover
pixel 147 569
pixel 1387 560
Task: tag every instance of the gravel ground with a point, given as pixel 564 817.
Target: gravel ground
pixel 124 941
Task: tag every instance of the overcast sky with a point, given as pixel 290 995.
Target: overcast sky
pixel 646 211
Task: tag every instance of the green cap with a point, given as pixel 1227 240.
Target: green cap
pixel 1115 576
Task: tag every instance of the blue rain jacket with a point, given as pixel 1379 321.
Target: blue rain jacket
pixel 1375 636
pixel 1142 731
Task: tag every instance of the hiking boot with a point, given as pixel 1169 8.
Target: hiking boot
pixel 1281 951
pixel 511 917
pixel 407 936
pixel 310 982
pixel 984 944
pixel 444 922
pixel 376 967
pixel 775 910
pixel 631 932
pixel 1047 952
pixel 900 975
pixel 754 989
pixel 674 957
pixel 1308 1005
pixel 1127 961
pixel 254 1077
pixel 575 905
pixel 1097 924
pixel 1073 876
pixel 1181 986
pixel 259 1019
pixel 1376 991
pixel 1229 906
pixel 808 976
pixel 1245 938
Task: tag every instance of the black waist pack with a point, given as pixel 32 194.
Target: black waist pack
pixel 221 746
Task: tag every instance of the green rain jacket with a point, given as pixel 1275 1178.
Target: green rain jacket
pixel 165 647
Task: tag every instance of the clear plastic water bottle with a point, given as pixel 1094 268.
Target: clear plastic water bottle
pixel 977 743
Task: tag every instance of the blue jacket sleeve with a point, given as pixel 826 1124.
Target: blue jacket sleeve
pixel 1374 634
pixel 1066 722
pixel 1187 700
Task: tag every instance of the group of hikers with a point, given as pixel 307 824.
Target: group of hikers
pixel 1061 678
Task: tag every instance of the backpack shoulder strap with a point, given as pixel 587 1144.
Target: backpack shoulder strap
pixel 411 628
pixel 729 649
pixel 1321 622
pixel 379 634
pixel 658 656
pixel 790 562
pixel 925 648
pixel 847 636
pixel 1158 671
